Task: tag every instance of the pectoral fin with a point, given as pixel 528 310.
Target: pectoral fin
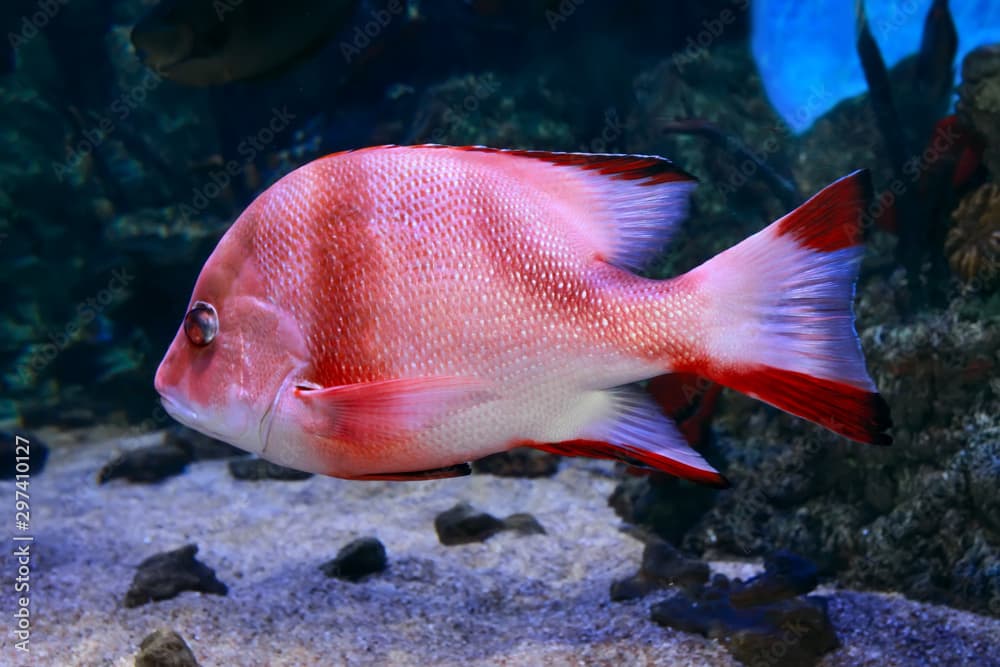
pixel 387 407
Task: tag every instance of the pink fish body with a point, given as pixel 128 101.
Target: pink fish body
pixel 395 312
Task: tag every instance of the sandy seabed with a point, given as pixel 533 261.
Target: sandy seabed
pixel 514 600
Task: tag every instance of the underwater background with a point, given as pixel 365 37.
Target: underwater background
pixel 132 133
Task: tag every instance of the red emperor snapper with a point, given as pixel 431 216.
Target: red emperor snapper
pixel 398 311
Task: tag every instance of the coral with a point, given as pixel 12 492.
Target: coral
pixel 917 517
pixel 979 100
pixel 973 243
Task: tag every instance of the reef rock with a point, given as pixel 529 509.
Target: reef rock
pixel 979 100
pixel 761 621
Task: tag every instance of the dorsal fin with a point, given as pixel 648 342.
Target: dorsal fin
pixel 635 201
pixel 625 206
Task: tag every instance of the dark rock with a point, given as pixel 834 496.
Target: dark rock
pixel 632 588
pixel 255 470
pixel 520 462
pixel 792 632
pixel 146 464
pixel 662 566
pixel 12 449
pixel 667 505
pixel 663 563
pixel 164 648
pixel 462 525
pixel 523 523
pixel 786 575
pixel 199 446
pixel 168 574
pixel 357 559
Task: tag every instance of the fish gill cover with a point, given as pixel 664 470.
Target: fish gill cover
pixel 806 55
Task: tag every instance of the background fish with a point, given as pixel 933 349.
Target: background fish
pixel 401 310
pixel 201 42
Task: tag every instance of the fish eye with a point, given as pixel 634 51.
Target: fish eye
pixel 201 323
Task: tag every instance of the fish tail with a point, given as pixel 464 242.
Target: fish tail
pixel 778 320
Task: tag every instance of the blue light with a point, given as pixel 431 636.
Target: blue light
pixel 806 52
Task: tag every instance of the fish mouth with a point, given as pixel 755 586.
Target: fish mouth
pixel 181 413
pixel 188 417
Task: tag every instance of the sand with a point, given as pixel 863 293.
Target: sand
pixel 513 600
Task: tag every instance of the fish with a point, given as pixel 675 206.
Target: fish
pixel 395 312
pixel 212 42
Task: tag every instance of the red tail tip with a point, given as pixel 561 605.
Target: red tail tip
pixel 833 218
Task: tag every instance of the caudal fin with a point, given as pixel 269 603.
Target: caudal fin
pixel 779 320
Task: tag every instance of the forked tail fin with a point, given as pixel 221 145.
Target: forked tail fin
pixel 779 320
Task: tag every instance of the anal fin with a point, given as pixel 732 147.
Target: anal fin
pixel 638 433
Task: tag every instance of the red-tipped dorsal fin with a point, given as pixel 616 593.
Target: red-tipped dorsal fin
pixel 636 432
pixel 623 206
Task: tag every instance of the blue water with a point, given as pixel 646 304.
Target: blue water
pixel 806 51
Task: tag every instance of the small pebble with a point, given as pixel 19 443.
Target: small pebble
pixel 199 446
pixel 145 464
pixel 520 462
pixel 165 575
pixel 463 525
pixel 256 470
pixel 164 648
pixel 357 559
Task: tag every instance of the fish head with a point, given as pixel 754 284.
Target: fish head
pixel 236 348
